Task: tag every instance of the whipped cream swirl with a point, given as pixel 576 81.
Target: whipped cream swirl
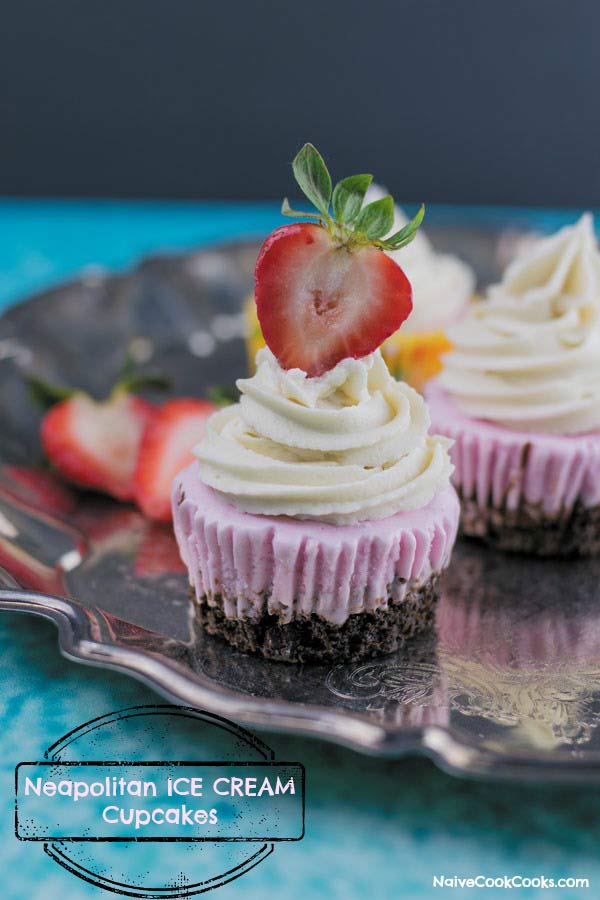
pixel 442 284
pixel 348 446
pixel 528 356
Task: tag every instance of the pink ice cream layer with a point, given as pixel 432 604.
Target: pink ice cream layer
pixel 499 467
pixel 291 567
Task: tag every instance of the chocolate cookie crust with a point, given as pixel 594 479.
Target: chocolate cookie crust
pixel 314 639
pixel 528 529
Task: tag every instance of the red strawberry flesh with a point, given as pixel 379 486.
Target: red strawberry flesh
pixel 96 444
pixel 319 302
pixel 166 449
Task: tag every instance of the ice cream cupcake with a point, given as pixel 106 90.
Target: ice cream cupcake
pixel 319 514
pixel 520 396
pixel 442 285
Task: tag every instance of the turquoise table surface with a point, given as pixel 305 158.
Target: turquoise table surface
pixel 374 828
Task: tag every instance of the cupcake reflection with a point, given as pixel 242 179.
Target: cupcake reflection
pixel 519 646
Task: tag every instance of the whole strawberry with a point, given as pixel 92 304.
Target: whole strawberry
pixel 324 290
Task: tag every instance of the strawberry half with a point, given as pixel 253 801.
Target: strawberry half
pixel 326 291
pixel 319 301
pixel 165 450
pixel 95 444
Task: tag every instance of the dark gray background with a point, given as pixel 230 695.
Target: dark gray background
pixel 448 100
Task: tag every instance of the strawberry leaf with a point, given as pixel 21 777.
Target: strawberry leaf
pixel 131 379
pixel 223 394
pixel 134 382
pixel 313 177
pixel 44 394
pixel 348 197
pixel 405 235
pixel 349 223
pixel 286 210
pixel 376 219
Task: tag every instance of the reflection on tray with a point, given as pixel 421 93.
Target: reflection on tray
pixel 518 645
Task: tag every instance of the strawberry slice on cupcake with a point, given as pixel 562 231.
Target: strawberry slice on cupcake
pixel 324 290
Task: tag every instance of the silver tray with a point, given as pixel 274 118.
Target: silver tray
pixel 507 684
